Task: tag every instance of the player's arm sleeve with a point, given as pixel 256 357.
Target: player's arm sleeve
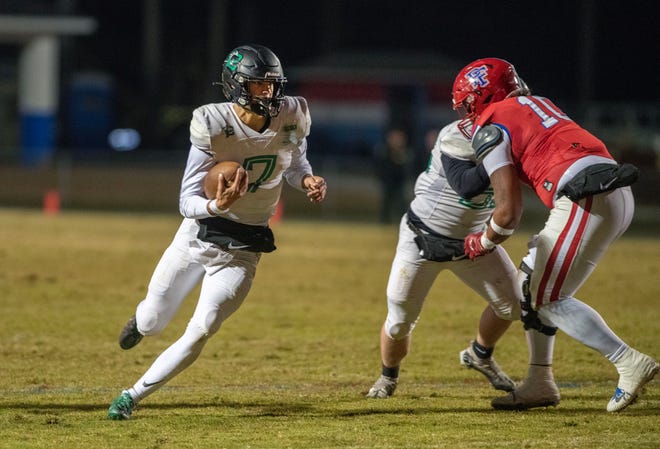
pixel 466 178
pixel 300 166
pixel 192 200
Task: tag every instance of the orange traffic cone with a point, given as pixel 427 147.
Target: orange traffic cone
pixel 52 202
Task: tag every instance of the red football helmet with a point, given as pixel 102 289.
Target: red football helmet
pixel 482 82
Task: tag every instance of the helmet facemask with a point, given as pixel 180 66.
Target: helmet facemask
pixel 267 107
pixel 467 114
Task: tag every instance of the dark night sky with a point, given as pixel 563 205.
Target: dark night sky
pixel 545 41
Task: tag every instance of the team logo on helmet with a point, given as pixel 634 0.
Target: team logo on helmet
pixel 478 76
pixel 233 60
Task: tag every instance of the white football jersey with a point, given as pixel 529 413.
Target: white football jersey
pixel 270 157
pixel 437 204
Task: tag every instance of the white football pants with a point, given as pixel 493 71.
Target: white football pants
pixel 493 277
pixel 574 239
pixel 226 280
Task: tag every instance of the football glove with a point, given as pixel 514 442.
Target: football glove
pixel 474 247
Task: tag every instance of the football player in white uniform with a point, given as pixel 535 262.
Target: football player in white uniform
pixel 431 237
pixel 221 239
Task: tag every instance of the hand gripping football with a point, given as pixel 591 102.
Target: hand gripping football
pixel 228 170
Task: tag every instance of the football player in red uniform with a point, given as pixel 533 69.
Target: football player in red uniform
pixel 519 137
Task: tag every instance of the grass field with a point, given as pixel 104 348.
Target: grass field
pixel 290 369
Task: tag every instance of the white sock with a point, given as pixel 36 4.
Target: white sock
pixel 180 355
pixel 584 324
pixel 541 347
pixel 616 355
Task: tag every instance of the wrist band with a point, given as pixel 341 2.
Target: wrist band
pixel 487 243
pixel 499 229
pixel 213 209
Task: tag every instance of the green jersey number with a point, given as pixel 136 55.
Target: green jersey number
pixel 487 203
pixel 268 162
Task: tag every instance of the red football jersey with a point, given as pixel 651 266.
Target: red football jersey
pixel 544 140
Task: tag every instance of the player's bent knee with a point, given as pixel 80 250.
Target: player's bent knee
pixel 196 333
pixel 208 324
pixel 148 321
pixel 398 331
pixel 506 310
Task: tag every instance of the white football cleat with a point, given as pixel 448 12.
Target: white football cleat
pixel 383 388
pixel 635 370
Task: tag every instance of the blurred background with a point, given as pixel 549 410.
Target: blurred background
pixel 96 97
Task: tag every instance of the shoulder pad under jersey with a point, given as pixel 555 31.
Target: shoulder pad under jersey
pixel 207 121
pixel 301 110
pixel 452 142
pixel 200 128
pixel 485 140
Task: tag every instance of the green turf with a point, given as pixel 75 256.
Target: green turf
pixel 290 368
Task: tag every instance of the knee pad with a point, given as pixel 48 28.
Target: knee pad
pixel 208 322
pixel 148 322
pixel 194 333
pixel 398 330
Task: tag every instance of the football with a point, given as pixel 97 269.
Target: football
pixel 227 168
